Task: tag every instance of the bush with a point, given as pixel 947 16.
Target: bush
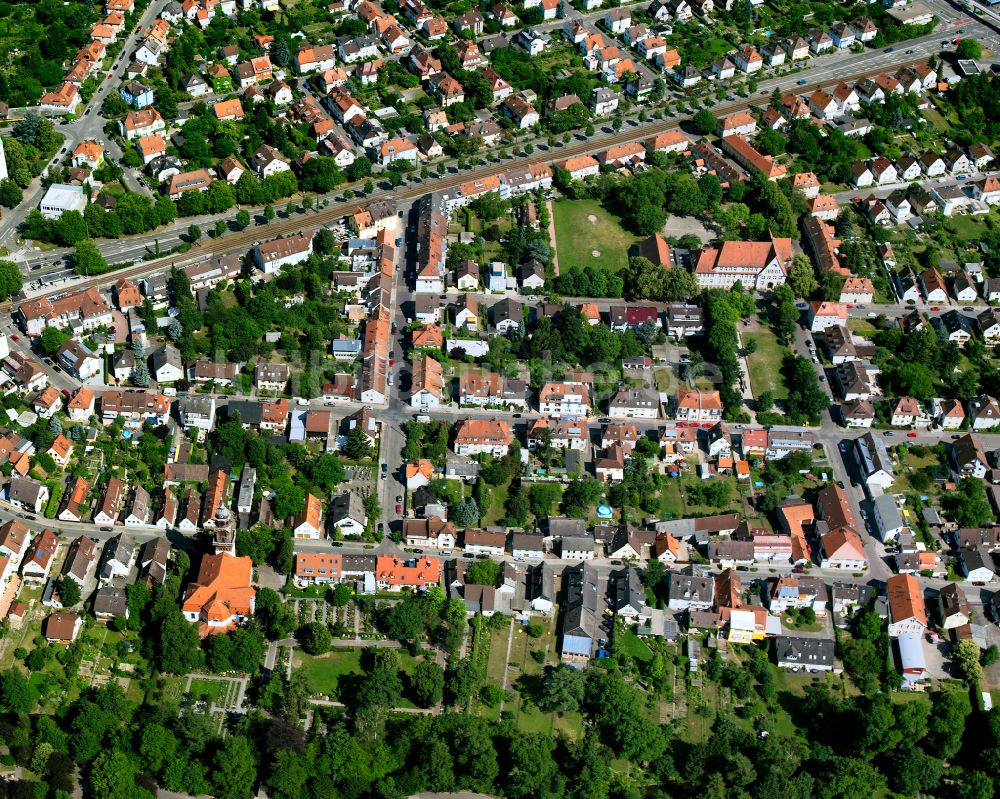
pixel 491 695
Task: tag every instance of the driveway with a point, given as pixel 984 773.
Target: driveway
pixel 678 226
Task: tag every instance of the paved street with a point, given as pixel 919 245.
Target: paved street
pixel 396 412
pixel 825 71
pixel 89 125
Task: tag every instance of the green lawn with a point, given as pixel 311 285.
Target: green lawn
pixel 326 670
pixel 799 626
pixel 671 500
pixel 697 51
pixel 498 498
pixel 584 227
pixel 861 327
pixel 213 689
pixel 912 463
pixel 765 365
pixel 966 227
pixel 635 646
pixel 497 663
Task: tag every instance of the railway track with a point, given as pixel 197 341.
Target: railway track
pixel 243 240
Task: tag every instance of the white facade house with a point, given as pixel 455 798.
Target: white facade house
pixel 564 399
pixel 62 197
pixel 272 256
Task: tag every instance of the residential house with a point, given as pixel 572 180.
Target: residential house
pixel 907 611
pixel 983 412
pixel 874 461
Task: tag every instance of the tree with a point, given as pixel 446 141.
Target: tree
pixel 427 684
pixel 373 507
pixel 463 679
pixel 140 374
pixel 235 769
pixel 69 592
pixel 562 690
pixel 16 695
pixel 966 654
pixel 315 638
pixel 947 722
pixel 51 339
pixel 10 193
pixel 193 233
pixel 916 772
pixel 975 784
pixel 969 49
pixel 242 219
pixel 969 506
pixel 112 776
pixel 543 497
pixel 277 617
pixel 801 277
pixel 580 495
pixel 87 259
pixel 175 330
pixel 466 514
pixel 516 509
pixel 786 314
pixel 404 621
pixel 324 242
pixel 361 168
pixel 269 213
pixel 11 281
pixel 357 447
pixel 157 746
pixel 489 207
pixel 704 122
pixel 770 142
pixel 340 595
pixel 483 572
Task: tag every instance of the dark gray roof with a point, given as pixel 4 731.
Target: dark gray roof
pixel 691 588
pixel 110 600
pixel 806 652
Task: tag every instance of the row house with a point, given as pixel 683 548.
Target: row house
pixel 483 436
pixel 79 311
pixel 564 434
pixel 697 406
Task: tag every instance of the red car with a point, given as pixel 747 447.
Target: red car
pixel 392 362
pixel 65 393
pixel 935 308
pixel 911 435
pixel 399 508
pixel 15 338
